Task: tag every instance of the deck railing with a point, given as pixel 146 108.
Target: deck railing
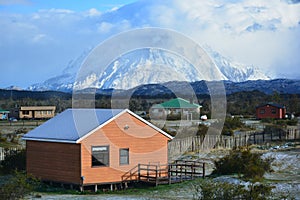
pixel 165 174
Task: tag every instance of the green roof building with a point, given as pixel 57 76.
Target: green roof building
pixel 177 106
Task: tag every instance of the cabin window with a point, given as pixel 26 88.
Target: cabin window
pixel 124 156
pixel 273 111
pixel 25 112
pixel 262 111
pixel 100 156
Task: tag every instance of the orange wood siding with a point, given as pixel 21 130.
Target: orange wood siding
pixel 145 145
pixel 54 161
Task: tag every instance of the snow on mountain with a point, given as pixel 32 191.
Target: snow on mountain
pixel 234 71
pixel 143 66
pixel 13 87
pixel 146 66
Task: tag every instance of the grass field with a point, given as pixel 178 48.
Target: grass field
pixel 11 132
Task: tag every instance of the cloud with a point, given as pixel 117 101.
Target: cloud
pixel 94 12
pixel 262 33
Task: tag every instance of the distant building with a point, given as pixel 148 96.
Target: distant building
pixel 174 107
pixel 271 111
pixel 4 114
pixel 33 112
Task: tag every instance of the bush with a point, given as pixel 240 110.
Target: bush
pixel 231 124
pixel 243 162
pixel 210 190
pixel 14 160
pixel 18 186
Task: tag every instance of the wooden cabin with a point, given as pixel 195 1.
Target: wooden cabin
pixel 93 146
pixel 33 112
pixel 270 111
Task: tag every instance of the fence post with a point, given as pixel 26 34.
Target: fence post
pixel 203 170
pixel 156 176
pixel 139 172
pixel 169 173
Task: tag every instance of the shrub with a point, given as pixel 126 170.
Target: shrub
pixel 231 124
pixel 14 160
pixel 243 162
pixel 210 190
pixel 18 186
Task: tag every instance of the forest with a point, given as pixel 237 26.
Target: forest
pixel 239 103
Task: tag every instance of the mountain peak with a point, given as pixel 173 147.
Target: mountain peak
pixel 147 66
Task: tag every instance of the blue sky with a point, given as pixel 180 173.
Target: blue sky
pixel 40 38
pixel 29 6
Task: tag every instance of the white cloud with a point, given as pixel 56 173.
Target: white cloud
pixel 93 12
pixel 271 41
pixel 105 27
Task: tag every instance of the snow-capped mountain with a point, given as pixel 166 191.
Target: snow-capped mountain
pixel 234 71
pixel 147 66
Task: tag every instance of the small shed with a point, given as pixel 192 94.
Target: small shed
pixel 271 111
pixel 93 146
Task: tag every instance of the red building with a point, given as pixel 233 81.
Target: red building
pixel 270 110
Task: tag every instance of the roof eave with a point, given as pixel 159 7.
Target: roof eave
pixel 49 140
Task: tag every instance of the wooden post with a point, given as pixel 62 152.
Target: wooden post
pixel 192 171
pixel 139 172
pixel 169 174
pixel 203 170
pixel 235 145
pixel 180 173
pixel 279 134
pixel 96 188
pixel 148 172
pixel 271 136
pixel 156 176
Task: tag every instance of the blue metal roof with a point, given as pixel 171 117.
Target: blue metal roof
pixel 71 125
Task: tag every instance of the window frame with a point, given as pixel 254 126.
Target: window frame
pixel 106 152
pixel 124 156
pixel 25 112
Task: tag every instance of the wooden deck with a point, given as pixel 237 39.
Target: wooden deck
pixel 165 174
